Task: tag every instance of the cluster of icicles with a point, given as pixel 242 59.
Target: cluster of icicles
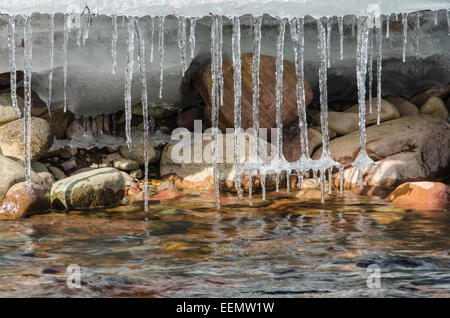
pixel 364 62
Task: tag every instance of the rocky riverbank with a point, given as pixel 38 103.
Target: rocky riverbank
pixel 412 143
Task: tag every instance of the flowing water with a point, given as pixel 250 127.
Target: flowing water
pixel 277 248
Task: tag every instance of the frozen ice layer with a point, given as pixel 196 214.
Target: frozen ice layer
pixel 199 8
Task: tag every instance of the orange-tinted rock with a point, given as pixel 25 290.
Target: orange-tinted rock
pixel 422 98
pixel 187 117
pixel 166 195
pixel 291 144
pixel 203 83
pixel 20 200
pixel 421 195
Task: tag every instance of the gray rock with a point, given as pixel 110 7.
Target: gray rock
pixel 7 112
pixel 69 165
pixel 137 151
pixel 38 167
pixel 90 189
pixel 137 174
pixel 56 172
pixel 126 164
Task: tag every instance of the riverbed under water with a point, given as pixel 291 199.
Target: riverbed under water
pixel 186 248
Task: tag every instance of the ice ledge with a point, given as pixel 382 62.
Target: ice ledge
pixel 199 8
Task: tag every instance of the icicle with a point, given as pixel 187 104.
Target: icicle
pixel 435 17
pixel 262 176
pixel 315 177
pixel 143 78
pixel 161 54
pixel 182 42
pixel 448 21
pixel 215 107
pixel 405 34
pixel 236 45
pixel 300 180
pixel 341 36
pixel 330 172
pixel 86 23
pixel 152 39
pixel 114 44
pixel 219 51
pixel 129 80
pixel 85 125
pixel 279 86
pixel 50 73
pixel 288 181
pixel 353 26
pixel 66 41
pixel 379 44
pixel 329 24
pixel 28 58
pixel 12 63
pixel 362 160
pixel 297 33
pixel 192 36
pixel 417 34
pixel 388 16
pixel 255 82
pixel 341 180
pixel 370 66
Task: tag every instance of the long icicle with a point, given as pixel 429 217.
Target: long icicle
pixel 50 73
pixel 379 44
pixel 341 37
pixel 28 58
pixel 143 77
pixel 236 45
pixel 215 108
pixel 129 80
pixel 161 55
pixel 114 43
pixel 329 24
pixel 193 23
pixel 388 16
pixel 279 94
pixel 12 63
pixel 152 40
pixel 405 35
pixel 219 56
pixel 182 42
pixel 417 35
pixel 370 66
pixel 65 43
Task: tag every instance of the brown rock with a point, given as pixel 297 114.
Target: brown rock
pixel 342 123
pixel 21 200
pixel 388 111
pixel 58 121
pixel 291 144
pixel 203 83
pixel 405 108
pixel 38 107
pixel 5 79
pixel 422 98
pixel 421 195
pixel 311 195
pixel 434 107
pixel 186 117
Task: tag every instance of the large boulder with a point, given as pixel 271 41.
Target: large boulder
pixel 90 189
pixel 203 84
pixel 407 149
pixel 21 200
pixel 12 172
pixel 197 174
pixel 342 123
pixel 404 107
pixel 434 107
pixel 421 195
pixel 388 111
pixel 12 138
pixel 292 147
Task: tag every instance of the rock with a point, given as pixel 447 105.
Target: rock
pixel 76 129
pixel 69 165
pixel 126 164
pixel 331 133
pixel 58 121
pixel 90 189
pixel 291 144
pixel 113 156
pixel 311 195
pixel 404 107
pixel 203 84
pixel 137 151
pixel 82 170
pixel 38 107
pixel 56 172
pixel 47 179
pixel 434 107
pixel 128 179
pixel 166 195
pixel 20 201
pixel 421 195
pixel 197 173
pixel 407 149
pixel 342 123
pixel 5 79
pixel 13 171
pixel 38 167
pixel 388 111
pixel 68 152
pixel 187 117
pixel 11 139
pixel 439 92
pixel 137 174
pixel 7 112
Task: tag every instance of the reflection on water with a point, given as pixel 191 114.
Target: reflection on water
pixel 186 248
